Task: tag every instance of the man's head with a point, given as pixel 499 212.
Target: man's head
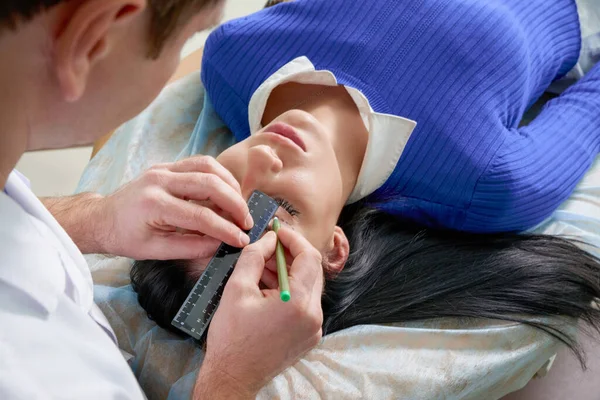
pixel 76 69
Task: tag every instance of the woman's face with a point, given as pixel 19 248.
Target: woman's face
pixel 293 161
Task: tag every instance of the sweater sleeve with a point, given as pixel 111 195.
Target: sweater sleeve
pixel 539 165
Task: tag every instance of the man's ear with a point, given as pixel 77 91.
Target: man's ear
pixel 338 252
pixel 84 40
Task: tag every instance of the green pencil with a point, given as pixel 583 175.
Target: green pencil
pixel 284 284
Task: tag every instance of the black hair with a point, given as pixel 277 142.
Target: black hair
pixel 399 272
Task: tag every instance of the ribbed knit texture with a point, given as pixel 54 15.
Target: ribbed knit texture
pixel 465 70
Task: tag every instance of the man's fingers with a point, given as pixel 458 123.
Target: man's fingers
pixel 251 265
pixel 203 186
pixel 208 165
pixel 194 217
pixel 186 247
pixel 316 294
pixel 306 269
pixel 269 279
pixel 306 274
pixel 272 263
pixel 294 242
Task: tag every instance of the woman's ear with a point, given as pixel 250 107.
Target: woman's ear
pixel 84 40
pixel 338 252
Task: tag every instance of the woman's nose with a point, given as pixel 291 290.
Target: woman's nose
pixel 263 166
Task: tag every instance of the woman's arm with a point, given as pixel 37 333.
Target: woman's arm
pixel 540 164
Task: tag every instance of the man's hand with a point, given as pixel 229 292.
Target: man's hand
pixel 172 211
pixel 254 335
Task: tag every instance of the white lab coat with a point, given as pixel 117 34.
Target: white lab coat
pixel 55 343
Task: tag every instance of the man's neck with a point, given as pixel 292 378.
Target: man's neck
pixel 14 113
pixel 13 142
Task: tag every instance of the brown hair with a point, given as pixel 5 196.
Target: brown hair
pixel 166 16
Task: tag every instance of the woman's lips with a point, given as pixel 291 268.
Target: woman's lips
pixel 288 132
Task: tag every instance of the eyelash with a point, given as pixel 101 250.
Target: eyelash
pixel 287 207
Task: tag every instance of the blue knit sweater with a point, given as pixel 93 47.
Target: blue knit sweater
pixel 465 70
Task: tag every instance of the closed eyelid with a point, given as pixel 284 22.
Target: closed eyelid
pixel 287 206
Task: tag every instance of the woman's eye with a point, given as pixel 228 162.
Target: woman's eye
pixel 287 206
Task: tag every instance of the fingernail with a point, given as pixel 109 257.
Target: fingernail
pixel 249 222
pixel 245 239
